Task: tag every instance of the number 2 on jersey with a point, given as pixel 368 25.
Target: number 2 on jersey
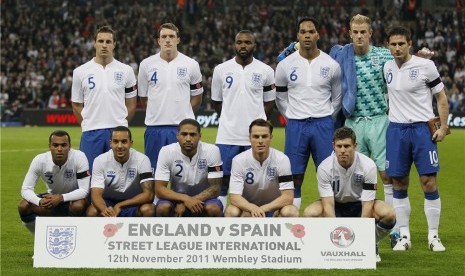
pixel 178 174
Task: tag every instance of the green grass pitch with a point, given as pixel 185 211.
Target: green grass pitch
pixel 20 145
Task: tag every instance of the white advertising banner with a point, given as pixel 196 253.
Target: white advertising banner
pixel 177 243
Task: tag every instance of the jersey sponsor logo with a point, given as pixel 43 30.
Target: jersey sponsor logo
pixel 375 61
pixel 257 79
pixel 413 74
pixel 272 172
pixel 202 164
pixel 61 241
pixel 118 78
pixel 324 72
pixel 358 179
pixel 132 173
pixel 182 72
pixel 69 174
pixel 342 236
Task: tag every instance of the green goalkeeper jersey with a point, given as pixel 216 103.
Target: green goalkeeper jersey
pixel 371 89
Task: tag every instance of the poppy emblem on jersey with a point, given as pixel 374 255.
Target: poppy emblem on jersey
pixel 68 174
pixel 119 77
pixel 389 77
pixel 182 72
pixel 413 74
pixel 132 173
pixel 61 241
pixel 358 179
pixel 342 236
pixel 202 164
pixel 271 172
pixel 256 79
pixel 324 72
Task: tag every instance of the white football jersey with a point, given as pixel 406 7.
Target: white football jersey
pixel 310 89
pixel 104 91
pixel 70 180
pixel 189 176
pixel 121 182
pixel 260 184
pixel 411 89
pixel 169 87
pixel 357 183
pixel 242 91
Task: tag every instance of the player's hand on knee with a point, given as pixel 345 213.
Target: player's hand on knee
pixel 194 205
pixel 109 212
pixel 179 209
pixel 257 212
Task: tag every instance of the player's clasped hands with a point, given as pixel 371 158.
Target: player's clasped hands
pixel 193 204
pixel 111 212
pixel 50 201
pixel 257 212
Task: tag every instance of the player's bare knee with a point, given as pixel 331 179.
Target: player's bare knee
pixel 232 211
pixel 387 214
pixel 313 210
pixel 213 210
pixel 24 207
pixel 164 210
pixel 92 211
pixel 147 210
pixel 428 183
pixel 289 211
pixel 78 207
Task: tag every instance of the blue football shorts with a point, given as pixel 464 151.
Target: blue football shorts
pixel 95 142
pixel 407 143
pixel 126 211
pixel 155 138
pixel 308 136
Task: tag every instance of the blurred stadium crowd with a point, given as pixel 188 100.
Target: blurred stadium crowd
pixel 42 41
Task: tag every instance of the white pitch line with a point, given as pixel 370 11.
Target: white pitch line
pixel 21 150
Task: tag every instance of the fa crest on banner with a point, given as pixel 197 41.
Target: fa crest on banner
pixel 61 241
